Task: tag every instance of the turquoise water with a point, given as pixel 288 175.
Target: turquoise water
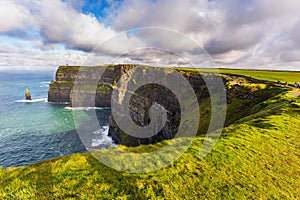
pixel 37 130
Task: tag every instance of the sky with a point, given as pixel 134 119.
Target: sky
pixel 247 34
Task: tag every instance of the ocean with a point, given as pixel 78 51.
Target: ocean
pixel 32 131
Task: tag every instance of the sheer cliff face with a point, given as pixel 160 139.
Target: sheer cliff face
pixel 144 97
pixel 60 88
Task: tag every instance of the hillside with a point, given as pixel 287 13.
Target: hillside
pixel 257 157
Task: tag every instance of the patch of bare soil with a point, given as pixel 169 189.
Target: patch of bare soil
pixel 296 94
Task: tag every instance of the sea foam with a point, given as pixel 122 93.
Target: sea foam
pixel 86 108
pixel 32 101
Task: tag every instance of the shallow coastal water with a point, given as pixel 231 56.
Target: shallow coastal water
pixel 36 130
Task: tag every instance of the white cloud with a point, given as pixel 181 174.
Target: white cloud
pixel 60 23
pixel 13 16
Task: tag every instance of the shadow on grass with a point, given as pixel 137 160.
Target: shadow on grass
pixel 262 123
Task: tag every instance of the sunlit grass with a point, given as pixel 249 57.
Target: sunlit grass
pixel 282 76
pixel 257 157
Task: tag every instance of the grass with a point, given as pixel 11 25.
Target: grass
pixel 76 68
pixel 282 76
pixel 55 84
pixel 290 77
pixel 257 157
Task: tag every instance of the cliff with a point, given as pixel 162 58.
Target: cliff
pixel 60 89
pixel 146 96
pixel 244 92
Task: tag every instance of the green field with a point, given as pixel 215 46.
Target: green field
pixel 257 157
pixel 282 76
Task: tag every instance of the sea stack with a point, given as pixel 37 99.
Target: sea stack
pixel 27 94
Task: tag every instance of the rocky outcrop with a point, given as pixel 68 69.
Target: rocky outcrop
pixel 27 94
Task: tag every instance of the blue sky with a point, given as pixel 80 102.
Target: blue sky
pixel 96 7
pixel 253 34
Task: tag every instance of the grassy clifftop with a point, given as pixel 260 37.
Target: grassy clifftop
pixel 257 157
pixel 282 76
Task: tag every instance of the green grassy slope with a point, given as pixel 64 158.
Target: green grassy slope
pixel 290 77
pixel 282 76
pixel 257 157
